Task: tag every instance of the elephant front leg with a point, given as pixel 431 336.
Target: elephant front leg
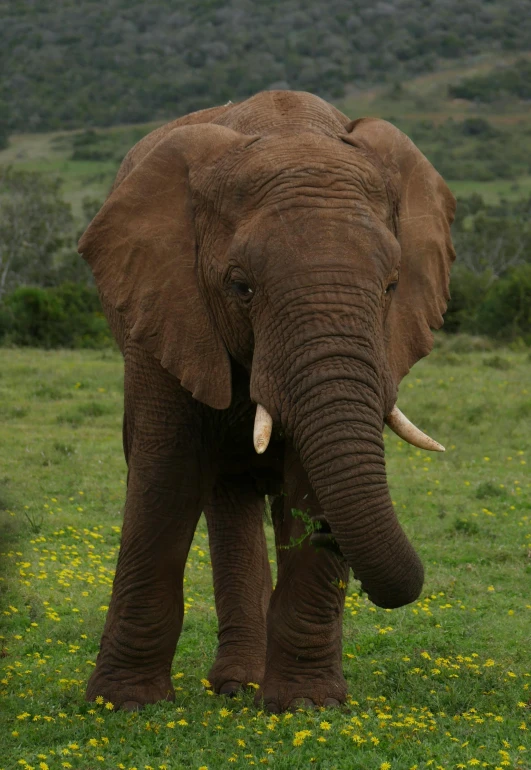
pixel 145 616
pixel 242 583
pixel 166 483
pixel 304 621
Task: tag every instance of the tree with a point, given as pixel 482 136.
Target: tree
pixel 36 227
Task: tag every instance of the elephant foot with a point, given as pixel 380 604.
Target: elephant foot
pixel 129 691
pixel 229 678
pixel 290 696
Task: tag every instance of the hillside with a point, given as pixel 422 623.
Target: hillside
pixel 76 63
pixel 479 148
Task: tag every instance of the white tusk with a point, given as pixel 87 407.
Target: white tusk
pixel 263 424
pixel 404 428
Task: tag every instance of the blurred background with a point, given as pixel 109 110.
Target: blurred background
pixel 82 80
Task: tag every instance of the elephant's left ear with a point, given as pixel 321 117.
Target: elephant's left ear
pixel 142 249
pixel 426 209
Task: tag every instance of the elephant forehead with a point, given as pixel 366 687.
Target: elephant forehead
pixel 304 170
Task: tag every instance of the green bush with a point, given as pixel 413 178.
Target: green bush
pixel 468 291
pixel 65 316
pixel 506 309
pixel 509 81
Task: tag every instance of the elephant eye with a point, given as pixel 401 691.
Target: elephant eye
pixel 391 287
pixel 242 289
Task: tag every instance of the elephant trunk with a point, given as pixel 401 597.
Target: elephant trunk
pixel 330 393
pixel 341 448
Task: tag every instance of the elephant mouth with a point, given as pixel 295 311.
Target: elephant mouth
pixel 322 536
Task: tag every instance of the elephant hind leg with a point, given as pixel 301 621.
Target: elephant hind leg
pixel 242 583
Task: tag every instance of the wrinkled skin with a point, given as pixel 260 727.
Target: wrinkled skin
pixel 268 253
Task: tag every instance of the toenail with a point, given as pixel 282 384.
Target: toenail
pixel 301 703
pixel 131 705
pixel 229 688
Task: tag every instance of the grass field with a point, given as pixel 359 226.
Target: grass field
pixel 444 683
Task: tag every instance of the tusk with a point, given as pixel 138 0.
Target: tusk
pixel 263 424
pixel 399 423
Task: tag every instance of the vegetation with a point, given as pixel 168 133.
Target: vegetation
pixel 35 226
pixel 508 82
pixel 491 280
pixel 66 316
pixel 441 683
pixel 68 64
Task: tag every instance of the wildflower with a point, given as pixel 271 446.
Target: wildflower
pixel 205 683
pixel 385 766
pixel 224 713
pixel 182 722
pixel 109 705
pixel 99 700
pixel 171 725
pixel 325 725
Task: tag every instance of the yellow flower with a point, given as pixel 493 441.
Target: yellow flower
pixel 203 767
pixel 99 700
pixel 182 722
pixel 224 712
pixel 325 725
pixel 171 725
pixel 385 766
pixel 241 743
pixel 109 705
pixel 205 683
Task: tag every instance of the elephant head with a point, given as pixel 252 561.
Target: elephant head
pixel 313 252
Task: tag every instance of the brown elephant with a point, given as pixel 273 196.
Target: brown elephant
pixel 268 253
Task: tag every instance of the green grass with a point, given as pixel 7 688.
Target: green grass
pixel 442 683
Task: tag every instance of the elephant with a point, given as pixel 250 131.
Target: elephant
pixel 270 270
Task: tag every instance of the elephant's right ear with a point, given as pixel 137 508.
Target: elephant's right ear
pixel 141 247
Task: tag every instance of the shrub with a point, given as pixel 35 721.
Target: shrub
pixel 506 309
pixel 468 291
pixel 67 316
